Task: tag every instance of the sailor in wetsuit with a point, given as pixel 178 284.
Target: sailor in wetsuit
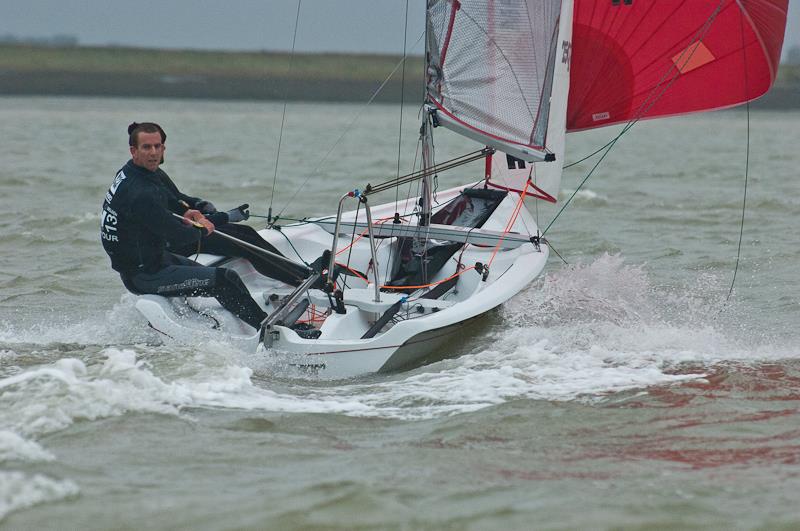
pixel 138 226
pixel 292 274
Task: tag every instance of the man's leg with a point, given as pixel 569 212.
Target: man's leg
pixel 219 245
pixel 187 278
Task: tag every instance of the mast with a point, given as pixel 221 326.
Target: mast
pixel 428 161
pixel 426 138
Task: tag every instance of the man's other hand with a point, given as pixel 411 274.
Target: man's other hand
pixel 206 207
pixel 194 217
pixel 240 213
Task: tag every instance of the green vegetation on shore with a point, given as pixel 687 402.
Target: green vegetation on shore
pixel 226 64
pixel 201 63
pixel 788 76
pixel 219 75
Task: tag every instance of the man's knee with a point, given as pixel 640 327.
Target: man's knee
pixel 229 277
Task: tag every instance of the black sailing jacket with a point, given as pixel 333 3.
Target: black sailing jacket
pixel 137 225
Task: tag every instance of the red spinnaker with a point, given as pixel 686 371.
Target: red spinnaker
pixel 652 58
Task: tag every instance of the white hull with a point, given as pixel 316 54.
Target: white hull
pixel 338 352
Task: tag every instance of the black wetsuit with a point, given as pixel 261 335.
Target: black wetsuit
pixel 216 244
pixel 137 227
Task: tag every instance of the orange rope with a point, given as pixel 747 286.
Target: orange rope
pixel 459 273
pixel 511 221
pixel 506 230
pixel 312 315
pixel 366 231
pixel 356 273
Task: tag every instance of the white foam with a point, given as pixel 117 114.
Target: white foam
pixel 518 368
pixel 20 491
pixel 15 448
pixel 50 397
pixel 581 333
pixel 583 196
pixel 123 324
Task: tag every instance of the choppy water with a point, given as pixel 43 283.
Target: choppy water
pixel 618 391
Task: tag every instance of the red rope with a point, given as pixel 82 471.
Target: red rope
pixel 511 221
pixel 506 230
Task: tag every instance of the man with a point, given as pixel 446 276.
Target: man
pixel 180 203
pixel 285 271
pixel 138 227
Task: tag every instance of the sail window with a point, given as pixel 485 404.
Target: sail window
pixel 695 56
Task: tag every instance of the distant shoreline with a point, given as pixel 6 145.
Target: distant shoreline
pixel 257 76
pixel 200 87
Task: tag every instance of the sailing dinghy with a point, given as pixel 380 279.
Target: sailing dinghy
pixel 398 280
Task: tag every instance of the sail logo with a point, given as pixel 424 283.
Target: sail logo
pixel 599 116
pixel 108 219
pixel 108 225
pixel 566 53
pixel 514 163
pixel 626 2
pixel 113 190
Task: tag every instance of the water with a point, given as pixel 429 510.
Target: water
pixel 619 391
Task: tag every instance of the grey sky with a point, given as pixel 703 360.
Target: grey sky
pixel 325 25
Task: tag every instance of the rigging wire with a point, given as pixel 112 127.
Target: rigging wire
pixel 590 155
pixel 402 101
pixel 283 116
pixel 744 207
pixel 746 168
pixel 346 130
pixel 390 263
pixel 556 251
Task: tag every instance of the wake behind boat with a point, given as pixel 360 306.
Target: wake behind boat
pixel 388 284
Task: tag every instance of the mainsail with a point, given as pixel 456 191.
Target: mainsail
pixel 636 59
pixel 490 70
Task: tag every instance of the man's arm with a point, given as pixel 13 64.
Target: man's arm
pixel 183 203
pixel 151 212
pixel 179 196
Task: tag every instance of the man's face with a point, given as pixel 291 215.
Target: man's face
pixel 149 152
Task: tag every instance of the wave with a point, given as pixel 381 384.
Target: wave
pixel 585 196
pixel 588 332
pixel 15 448
pixel 582 333
pixel 122 325
pixel 20 491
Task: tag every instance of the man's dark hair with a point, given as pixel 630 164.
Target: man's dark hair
pixel 145 127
